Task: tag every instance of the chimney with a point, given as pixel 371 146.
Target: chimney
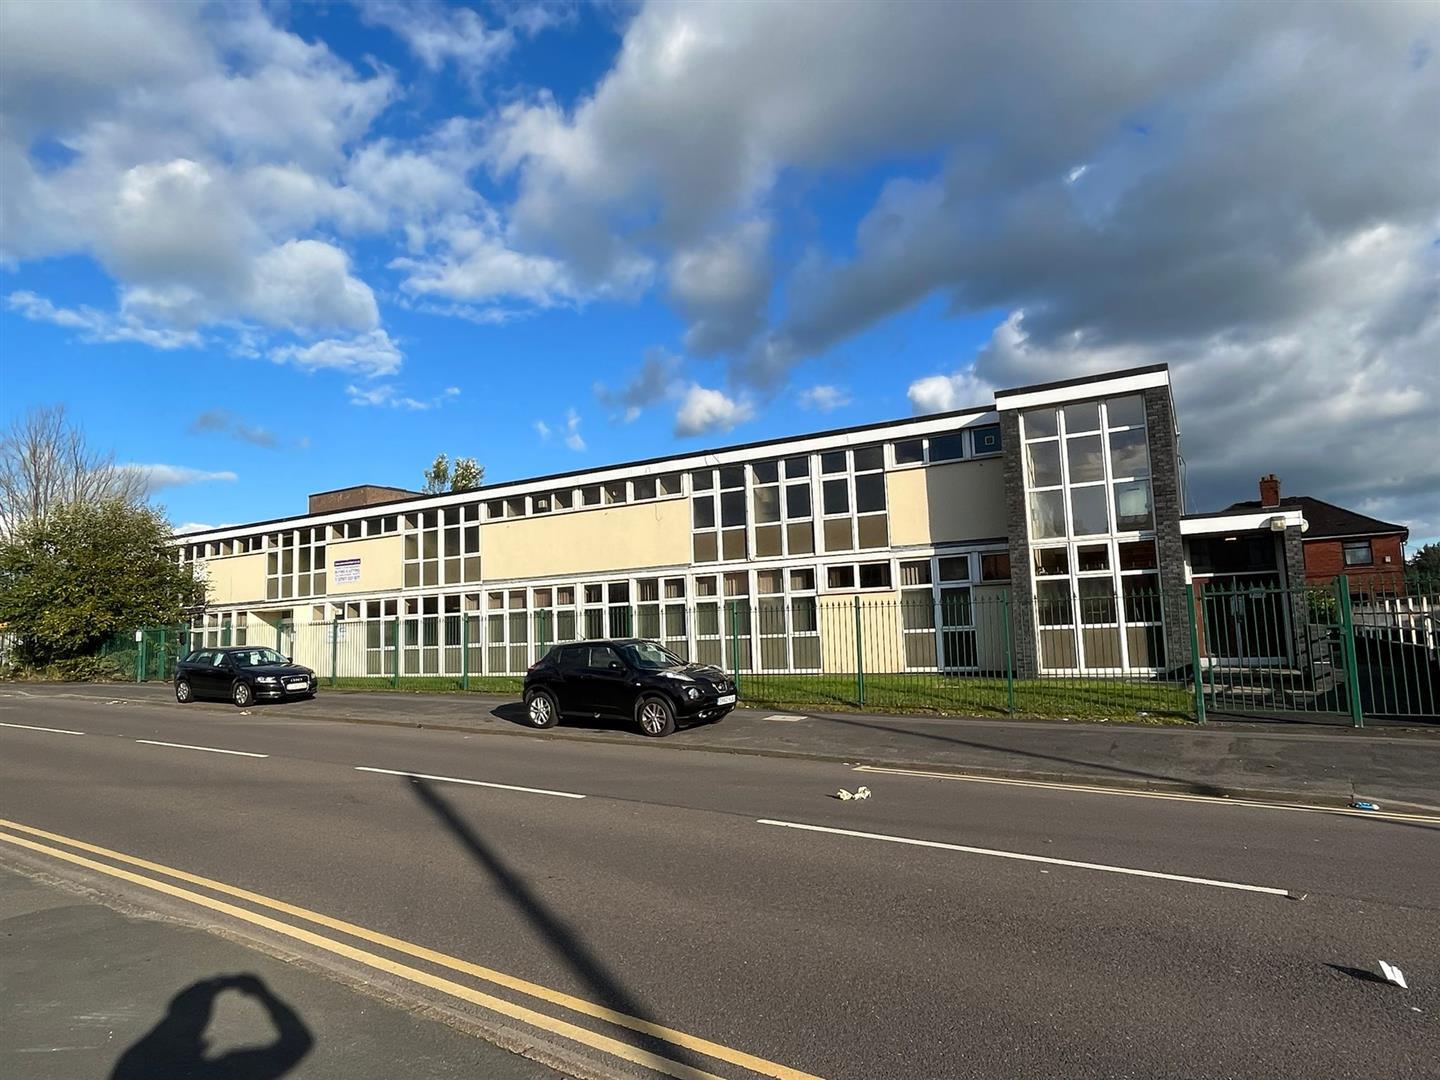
pixel 1269 491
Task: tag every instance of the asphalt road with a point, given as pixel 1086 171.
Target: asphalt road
pixel 958 937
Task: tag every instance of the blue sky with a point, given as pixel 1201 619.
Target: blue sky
pixel 273 249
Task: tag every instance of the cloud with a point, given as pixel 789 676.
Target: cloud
pixel 225 422
pixel 156 477
pixel 197 526
pixel 824 398
pixel 704 411
pixel 655 381
pixel 440 34
pixel 387 394
pixel 946 393
pixel 543 430
pixel 722 286
pixel 573 439
pixel 371 355
pixel 98 326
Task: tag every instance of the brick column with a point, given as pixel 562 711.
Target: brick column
pixel 1166 493
pixel 1293 576
pixel 1022 597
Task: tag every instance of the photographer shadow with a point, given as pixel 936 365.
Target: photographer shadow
pixel 176 1047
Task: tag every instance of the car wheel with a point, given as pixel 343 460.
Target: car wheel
pixel 541 710
pixel 657 718
pixel 183 693
pixel 242 695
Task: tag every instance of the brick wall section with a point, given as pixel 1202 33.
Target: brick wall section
pixel 1022 606
pixel 1325 560
pixel 1165 486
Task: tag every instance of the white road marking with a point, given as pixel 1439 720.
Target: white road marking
pixel 53 730
pixel 207 749
pixel 779 719
pixel 472 783
pixel 1217 800
pixel 1022 857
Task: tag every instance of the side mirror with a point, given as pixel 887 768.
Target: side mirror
pixel 289 659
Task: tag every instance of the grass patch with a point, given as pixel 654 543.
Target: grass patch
pixel 429 684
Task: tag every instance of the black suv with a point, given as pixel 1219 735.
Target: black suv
pixel 630 678
pixel 241 674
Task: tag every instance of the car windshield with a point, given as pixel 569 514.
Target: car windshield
pixel 647 656
pixel 258 657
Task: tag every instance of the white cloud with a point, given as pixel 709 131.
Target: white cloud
pixel 371 355
pixel 543 430
pixel 198 526
pixel 99 326
pixel 722 286
pixel 946 393
pixel 156 477
pixel 573 438
pixel 704 411
pixel 439 33
pixel 387 394
pixel 824 398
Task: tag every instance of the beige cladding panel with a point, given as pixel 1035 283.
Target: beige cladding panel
pixel 963 500
pixel 235 579
pixel 380 564
pixel 587 542
pixel 879 632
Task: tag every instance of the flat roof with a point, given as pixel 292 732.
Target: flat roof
pixel 1082 380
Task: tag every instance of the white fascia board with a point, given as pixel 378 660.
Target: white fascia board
pixel 1247 522
pixel 1124 384
pixel 900 429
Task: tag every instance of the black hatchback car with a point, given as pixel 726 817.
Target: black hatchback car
pixel 629 679
pixel 242 674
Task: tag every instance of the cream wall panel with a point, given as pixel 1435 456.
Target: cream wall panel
pixel 587 542
pixel 380 564
pixel 236 579
pixel 879 632
pixel 961 500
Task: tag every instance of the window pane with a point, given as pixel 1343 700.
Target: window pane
pixel 1052 562
pixel 1097 600
pixel 733 543
pixel 869 458
pixel 702 481
pixel 1041 422
pixel 1092 557
pixel 1083 416
pixel 796 467
pixel 1147 646
pixel 766 472
pixel 767 540
pixel 946 447
pixel 995 566
pixel 1129 453
pixel 1102 647
pixel 802 580
pixel 767 504
pixel 1138 555
pixel 837 497
pixel 1358 553
pixel 732 508
pixel 918 611
pixel 706 547
pixel 874 530
pixel 1087 510
pixel 987 439
pixel 1132 506
pixel 803 619
pixel 704 510
pixel 1125 411
pixel 832 462
pixel 916 572
pixel 769 582
pixel 869 492
pixel 645 488
pixel 797 500
pixel 1086 463
pixel 837 535
pixel 909 452
pixel 955 568
pixel 800 537
pixel 1142 598
pixel 875 575
pixel 732 476
pixel 955 608
pixel 840 577
pixel 1047 514
pixel 1052 603
pixel 1044 460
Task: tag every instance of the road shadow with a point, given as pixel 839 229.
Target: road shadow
pixel 1360 973
pixel 563 940
pixel 176 1047
pixel 514 712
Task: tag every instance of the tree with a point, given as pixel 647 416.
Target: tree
pixel 464 475
pixel 1426 561
pixel 45 465
pixel 87 570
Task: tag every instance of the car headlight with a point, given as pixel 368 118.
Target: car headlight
pixel 693 693
pixel 269 679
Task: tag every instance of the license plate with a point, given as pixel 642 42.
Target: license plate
pixel 725 699
pixel 297 684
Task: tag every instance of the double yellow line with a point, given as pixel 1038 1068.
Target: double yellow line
pixel 543 1021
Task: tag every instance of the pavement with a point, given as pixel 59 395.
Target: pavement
pixel 1392 766
pixel 640 909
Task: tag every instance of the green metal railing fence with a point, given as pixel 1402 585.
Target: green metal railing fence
pixel 1352 649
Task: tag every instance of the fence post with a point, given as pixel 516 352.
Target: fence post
pixel 1009 653
pixel 395 663
pixel 465 650
pixel 1347 644
pixel 1196 676
pixel 334 650
pixel 859 658
pixel 735 641
pixel 140 657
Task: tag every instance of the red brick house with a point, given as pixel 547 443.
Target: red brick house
pixel 1336 540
